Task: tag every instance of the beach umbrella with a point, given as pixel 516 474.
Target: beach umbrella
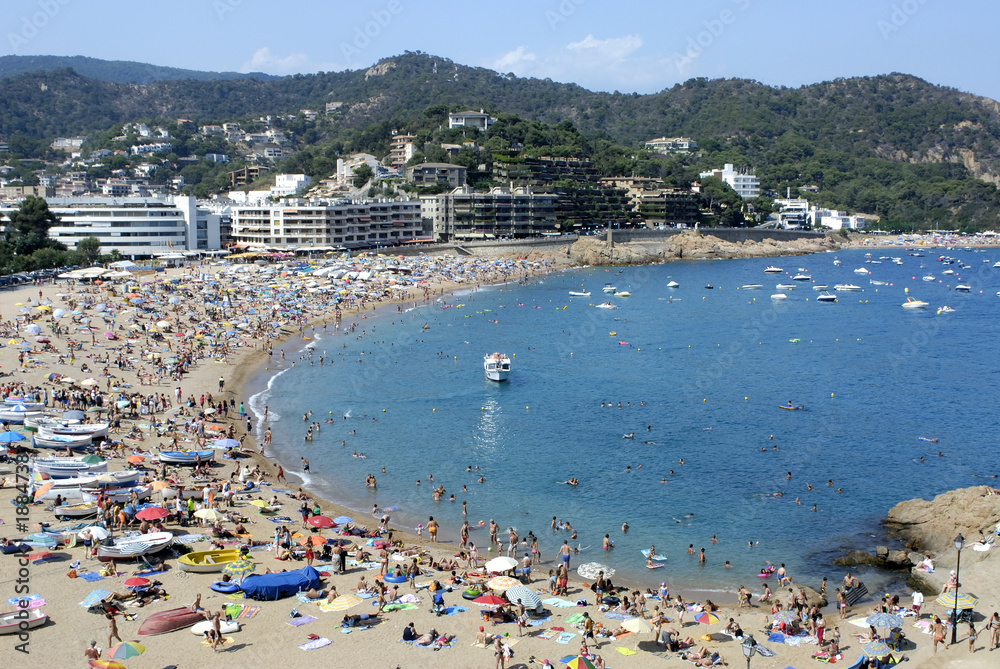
pixel 41 540
pixel 886 620
pixel 528 597
pixel 208 514
pixel 964 601
pixel 74 415
pixel 45 487
pixel 258 502
pixel 785 617
pixel 502 563
pixel 239 569
pixel 343 520
pixel 137 582
pixel 344 602
pixel 135 459
pixel 707 618
pixel 489 600
pixel 580 662
pixel 42 340
pixel 94 598
pixel 590 570
pixel 159 485
pixel 638 625
pixel 92 459
pixel 501 583
pixel 67 379
pixel 96 531
pixel 10 437
pixel 312 540
pixel 152 513
pixel 875 649
pixel 321 521
pixel 225 443
pixel 106 664
pixel 89 383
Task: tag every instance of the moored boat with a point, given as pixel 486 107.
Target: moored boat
pixel 785 286
pixel 84 510
pixel 673 284
pixel 497 366
pixel 15 622
pixel 116 494
pixel 623 293
pixel 68 467
pixel 134 545
pixel 963 288
pixel 93 430
pixel 779 296
pixel 773 270
pixel 576 293
pixel 18 413
pixel 204 562
pixel 862 270
pixel 826 297
pixel 186 457
pixel 608 288
pixel 61 442
pixel 169 620
pixel 846 288
pixel 912 303
pixel 801 277
pixel 752 286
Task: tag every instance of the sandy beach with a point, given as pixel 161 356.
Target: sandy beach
pixel 142 354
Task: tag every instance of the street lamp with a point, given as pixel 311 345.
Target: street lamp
pixel 959 543
pixel 749 647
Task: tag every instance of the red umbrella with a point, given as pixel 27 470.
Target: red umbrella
pixel 321 521
pixel 41 555
pixel 136 582
pixel 489 600
pixel 152 513
pixel 135 459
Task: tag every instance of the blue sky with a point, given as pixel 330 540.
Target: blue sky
pixel 630 46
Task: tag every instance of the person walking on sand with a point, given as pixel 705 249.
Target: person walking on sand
pixel 938 631
pixel 112 628
pixel 432 529
pixel 281 474
pixel 564 553
pixel 993 627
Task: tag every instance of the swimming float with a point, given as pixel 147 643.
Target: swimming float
pixel 225 587
pixel 389 578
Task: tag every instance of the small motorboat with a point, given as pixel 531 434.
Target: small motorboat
pixel 58 468
pixel 709 287
pixel 820 286
pixel 85 510
pixel 791 407
pixel 878 283
pixel 576 293
pixel 836 262
pixel 15 622
pixel 997 264
pixel 963 288
pixel 949 272
pixel 785 286
pixel 826 297
pixel 773 270
pixel 752 286
pixel 18 413
pixel 133 546
pixel 779 296
pixel 61 442
pixel 169 621
pixel 497 366
pixel 914 304
pixel 186 457
pixel 846 288
pixel 93 430
pixel 945 310
pixel 623 293
pixel 608 288
pixel 205 562
pixel 116 495
pixel 862 270
pixel 673 284
pixel 801 277
pixel 606 305
pixel 929 277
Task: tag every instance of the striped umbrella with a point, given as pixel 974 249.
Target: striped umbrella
pixel 239 569
pixel 785 617
pixel 344 602
pixel 707 618
pixel 580 662
pixel 125 650
pixel 875 649
pixel 528 597
pixel 886 620
pixel 501 583
pixel 964 601
pixel 106 664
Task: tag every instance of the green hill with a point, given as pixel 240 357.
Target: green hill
pixel 115 71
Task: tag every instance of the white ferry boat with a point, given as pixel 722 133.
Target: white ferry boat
pixel 497 366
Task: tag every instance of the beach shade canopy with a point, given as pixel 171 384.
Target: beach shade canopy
pixel 45 487
pixel 92 459
pixel 239 569
pixel 135 459
pixel 344 602
pixel 208 514
pixel 964 601
pixel 591 569
pixel 580 662
pixel 225 443
pixel 321 522
pixel 528 597
pixel 489 600
pixel 312 540
pixel 106 664
pixel 9 437
pixel 137 582
pixel 97 532
pixel 343 520
pixel 885 620
pixel 94 598
pixel 785 617
pixel 707 618
pixel 74 415
pixel 875 649
pixel 501 583
pixel 502 563
pixel 638 625
pixel 152 513
pixel 159 485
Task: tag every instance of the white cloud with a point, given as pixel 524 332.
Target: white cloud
pixel 265 61
pixel 512 59
pixel 613 48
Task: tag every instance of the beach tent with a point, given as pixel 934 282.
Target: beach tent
pixel 281 584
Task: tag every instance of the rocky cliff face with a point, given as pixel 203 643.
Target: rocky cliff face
pixel 933 525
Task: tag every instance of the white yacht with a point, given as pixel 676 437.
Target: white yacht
pixel 826 297
pixel 846 288
pixel 497 366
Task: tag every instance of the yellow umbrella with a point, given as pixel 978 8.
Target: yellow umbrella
pixel 44 307
pixel 259 502
pixel 12 342
pixel 208 514
pixel 159 485
pixel 344 602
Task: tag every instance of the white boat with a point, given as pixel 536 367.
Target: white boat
pixel 836 263
pixel 948 272
pixel 83 510
pixel 576 293
pixel 497 366
pixel 16 622
pixel 185 457
pixel 963 288
pixel 846 288
pixel 862 270
pixel 779 296
pixel 826 297
pixel 997 264
pixel 61 442
pixel 606 305
pixel 67 467
pixel 47 421
pixel 18 413
pixel 608 288
pixel 117 495
pixel 929 277
pixel 623 293
pixel 820 286
pixel 186 493
pixel 93 430
pixel 773 270
pixel 946 310
pixel 914 304
pixel 785 286
pixel 878 283
pixel 673 284
pixel 134 545
pixel 801 277
pixel 752 286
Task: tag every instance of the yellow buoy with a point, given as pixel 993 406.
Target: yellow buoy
pixel 433 410
pixel 745 399
pixel 526 408
pixel 383 410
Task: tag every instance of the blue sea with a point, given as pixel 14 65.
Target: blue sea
pixel 695 375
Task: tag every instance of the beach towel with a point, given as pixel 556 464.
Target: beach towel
pixel 236 595
pixel 924 625
pixel 316 643
pixel 559 603
pixel 565 637
pixel 222 642
pixel 34 601
pixel 249 612
pixel 150 573
pixel 575 619
pixel 764 651
pixel 90 576
pixel 400 607
pixel 301 620
pixel 452 610
pixel 539 622
pixel 777 637
pixel 618 616
pixel 546 634
pixel 625 651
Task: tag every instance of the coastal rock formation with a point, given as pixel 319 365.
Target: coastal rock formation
pixel 933 525
pixel 688 244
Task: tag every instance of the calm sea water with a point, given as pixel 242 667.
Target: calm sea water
pixel 699 373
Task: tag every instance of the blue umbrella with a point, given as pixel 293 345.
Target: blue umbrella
pixel 226 443
pixel 343 520
pixel 94 598
pixel 9 437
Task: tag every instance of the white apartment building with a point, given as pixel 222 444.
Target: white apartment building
pixel 745 183
pixel 345 168
pixel 136 226
pixel 837 220
pixel 289 184
pixel 321 223
pixel 151 148
pixel 479 120
pixel 671 144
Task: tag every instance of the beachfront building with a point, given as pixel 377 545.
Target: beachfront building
pixel 667 145
pixel 289 184
pixel 836 220
pixel 744 182
pixel 436 174
pixel 339 224
pixel 138 227
pixel 793 213
pixel 502 212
